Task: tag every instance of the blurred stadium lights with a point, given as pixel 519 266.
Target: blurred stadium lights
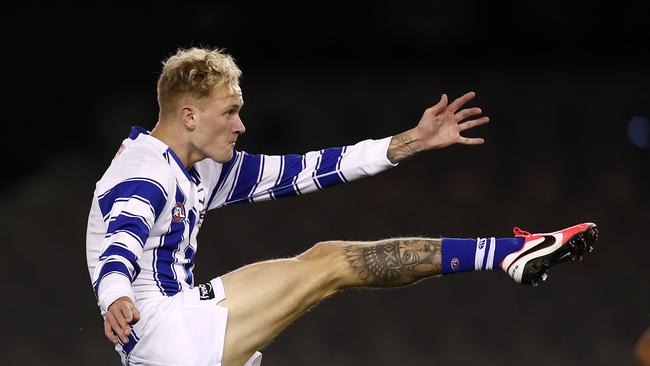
pixel 639 131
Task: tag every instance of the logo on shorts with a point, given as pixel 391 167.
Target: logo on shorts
pixel 178 213
pixel 206 292
pixel 481 243
pixel 455 264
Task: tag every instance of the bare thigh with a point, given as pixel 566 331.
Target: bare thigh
pixel 264 298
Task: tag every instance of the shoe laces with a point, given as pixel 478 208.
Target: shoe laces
pixel 520 233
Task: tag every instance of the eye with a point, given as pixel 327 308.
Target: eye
pixel 232 111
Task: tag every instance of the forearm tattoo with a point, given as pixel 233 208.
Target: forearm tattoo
pixel 395 262
pixel 400 148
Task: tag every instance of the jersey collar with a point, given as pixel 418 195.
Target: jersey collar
pixel 192 175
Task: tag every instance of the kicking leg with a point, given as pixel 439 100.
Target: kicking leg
pixel 264 298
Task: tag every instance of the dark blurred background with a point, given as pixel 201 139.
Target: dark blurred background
pixel 567 88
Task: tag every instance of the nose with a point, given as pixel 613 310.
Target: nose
pixel 239 127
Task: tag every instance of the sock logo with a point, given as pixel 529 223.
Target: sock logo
pixel 206 292
pixel 455 264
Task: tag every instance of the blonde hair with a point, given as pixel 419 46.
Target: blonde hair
pixel 195 71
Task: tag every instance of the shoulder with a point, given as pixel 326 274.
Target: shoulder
pixel 137 163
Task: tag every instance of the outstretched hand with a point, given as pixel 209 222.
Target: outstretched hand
pixel 120 314
pixel 440 126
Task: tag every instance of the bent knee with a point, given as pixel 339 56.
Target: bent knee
pixel 327 264
pixel 322 249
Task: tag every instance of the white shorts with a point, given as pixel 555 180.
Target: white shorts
pixel 188 328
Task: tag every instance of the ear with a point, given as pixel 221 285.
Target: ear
pixel 189 117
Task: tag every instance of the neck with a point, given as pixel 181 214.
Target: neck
pixel 177 141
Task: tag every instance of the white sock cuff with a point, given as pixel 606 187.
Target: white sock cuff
pixel 484 246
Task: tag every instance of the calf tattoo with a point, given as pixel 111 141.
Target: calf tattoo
pixel 395 262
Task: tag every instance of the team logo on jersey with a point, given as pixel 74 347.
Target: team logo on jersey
pixel 206 292
pixel 455 264
pixel 178 213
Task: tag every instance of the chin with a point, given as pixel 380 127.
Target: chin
pixel 223 157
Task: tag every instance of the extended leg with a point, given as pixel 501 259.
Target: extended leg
pixel 264 298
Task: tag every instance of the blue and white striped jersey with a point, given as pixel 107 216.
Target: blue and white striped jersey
pixel 147 208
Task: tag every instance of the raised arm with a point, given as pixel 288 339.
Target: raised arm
pixel 254 178
pixel 440 126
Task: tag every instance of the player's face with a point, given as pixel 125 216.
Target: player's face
pixel 218 124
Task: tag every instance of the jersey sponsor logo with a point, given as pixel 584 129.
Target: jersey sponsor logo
pixel 455 264
pixel 178 213
pixel 206 292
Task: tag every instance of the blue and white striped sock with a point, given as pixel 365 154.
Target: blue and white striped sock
pixel 480 254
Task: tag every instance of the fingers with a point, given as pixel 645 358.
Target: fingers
pixel 120 314
pixel 108 332
pixel 469 112
pixel 130 313
pixel 127 314
pixel 119 318
pixel 471 141
pixel 136 315
pixel 456 104
pixel 117 327
pixel 470 124
pixel 440 106
pixel 473 123
pixel 124 325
